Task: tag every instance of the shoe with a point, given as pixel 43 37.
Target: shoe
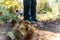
pixel 35 20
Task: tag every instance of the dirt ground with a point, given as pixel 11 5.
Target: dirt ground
pixel 51 26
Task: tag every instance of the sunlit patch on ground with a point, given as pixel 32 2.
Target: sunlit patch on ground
pixel 48 16
pixel 46 35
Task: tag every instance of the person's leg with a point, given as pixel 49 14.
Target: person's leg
pixel 26 10
pixel 33 10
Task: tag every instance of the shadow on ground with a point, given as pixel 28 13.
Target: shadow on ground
pixel 52 26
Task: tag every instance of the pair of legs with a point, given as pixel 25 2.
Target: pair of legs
pixel 29 10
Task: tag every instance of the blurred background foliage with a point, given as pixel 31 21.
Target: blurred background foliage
pixel 44 10
pixel 47 9
pixel 43 7
pixel 8 8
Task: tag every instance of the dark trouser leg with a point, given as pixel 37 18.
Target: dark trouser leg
pixel 26 10
pixel 33 10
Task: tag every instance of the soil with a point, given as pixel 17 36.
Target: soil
pixel 51 26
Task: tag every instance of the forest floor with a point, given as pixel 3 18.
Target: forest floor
pixel 51 26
